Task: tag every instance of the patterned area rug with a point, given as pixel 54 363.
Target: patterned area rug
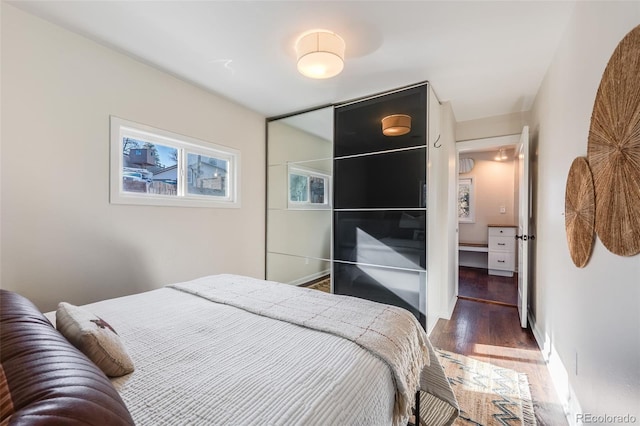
pixel 324 285
pixel 487 395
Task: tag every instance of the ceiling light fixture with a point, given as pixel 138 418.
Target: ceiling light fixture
pixel 396 125
pixel 320 54
pixel 465 165
pixel 502 155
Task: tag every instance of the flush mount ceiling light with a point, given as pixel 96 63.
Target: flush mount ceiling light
pixel 502 155
pixel 465 165
pixel 320 54
pixel 396 125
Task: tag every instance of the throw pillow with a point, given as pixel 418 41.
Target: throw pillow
pixel 95 338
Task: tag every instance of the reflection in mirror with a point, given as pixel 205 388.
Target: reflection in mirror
pixel 393 238
pixel 295 269
pixel 309 188
pixel 299 176
pixel 398 287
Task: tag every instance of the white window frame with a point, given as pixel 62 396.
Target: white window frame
pixel 309 173
pixel 185 145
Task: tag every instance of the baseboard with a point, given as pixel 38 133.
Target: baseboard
pixel 431 325
pixel 558 373
pixel 311 277
pixel 450 308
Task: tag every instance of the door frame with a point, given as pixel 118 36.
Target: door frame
pixel 470 146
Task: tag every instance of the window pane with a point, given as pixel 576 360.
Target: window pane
pixel 206 175
pixel 298 187
pixel 149 168
pixel 316 188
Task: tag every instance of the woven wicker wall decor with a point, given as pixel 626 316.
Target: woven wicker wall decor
pixel 579 211
pixel 614 149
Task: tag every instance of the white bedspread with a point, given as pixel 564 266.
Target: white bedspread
pixel 204 363
pixel 391 333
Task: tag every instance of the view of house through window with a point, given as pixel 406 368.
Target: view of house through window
pixel 149 168
pixel 156 167
pixel 207 175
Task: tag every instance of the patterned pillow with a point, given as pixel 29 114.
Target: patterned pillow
pixel 95 338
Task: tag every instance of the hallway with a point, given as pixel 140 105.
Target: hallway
pixel 491 333
pixel 477 284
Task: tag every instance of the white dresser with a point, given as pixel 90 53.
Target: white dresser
pixel 502 250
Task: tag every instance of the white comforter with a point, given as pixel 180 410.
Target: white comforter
pixel 205 363
pixel 388 332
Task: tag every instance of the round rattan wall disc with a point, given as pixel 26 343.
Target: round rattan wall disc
pixel 614 149
pixel 579 211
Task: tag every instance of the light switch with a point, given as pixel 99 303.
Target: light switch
pixel 503 209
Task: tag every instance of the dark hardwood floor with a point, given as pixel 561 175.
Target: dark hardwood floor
pixel 491 333
pixel 476 283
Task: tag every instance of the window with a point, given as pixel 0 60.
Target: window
pixel 156 167
pixel 466 212
pixel 308 188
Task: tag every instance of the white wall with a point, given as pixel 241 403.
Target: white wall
pixel 437 212
pixel 493 183
pixel 448 139
pixel 592 314
pixel 1 180
pixel 61 239
pixel 500 125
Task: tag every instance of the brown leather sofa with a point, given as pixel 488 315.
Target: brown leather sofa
pixel 44 380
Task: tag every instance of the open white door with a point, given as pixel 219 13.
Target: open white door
pixel 523 225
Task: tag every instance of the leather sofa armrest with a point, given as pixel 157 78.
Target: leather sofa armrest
pixel 44 379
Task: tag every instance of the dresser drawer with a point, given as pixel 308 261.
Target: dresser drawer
pixel 501 261
pixel 502 244
pixel 495 231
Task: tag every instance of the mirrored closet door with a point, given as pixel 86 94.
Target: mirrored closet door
pixel 299 192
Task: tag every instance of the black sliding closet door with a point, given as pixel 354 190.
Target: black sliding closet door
pixel 379 215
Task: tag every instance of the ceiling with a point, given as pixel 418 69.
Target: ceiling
pixel 486 58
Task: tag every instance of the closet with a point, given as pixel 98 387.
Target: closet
pixel 378 201
pixel 379 211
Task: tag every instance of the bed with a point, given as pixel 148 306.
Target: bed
pixel 228 349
